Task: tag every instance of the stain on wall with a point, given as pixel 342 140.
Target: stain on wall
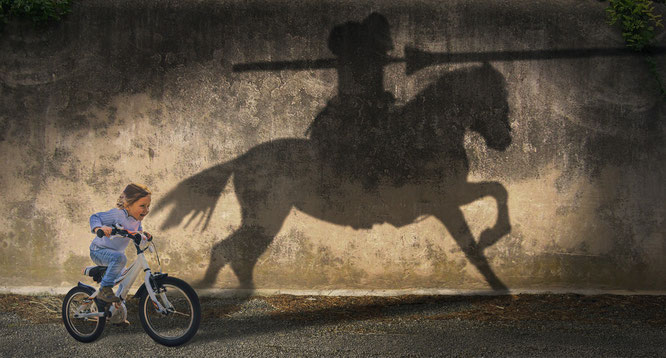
pixel 146 91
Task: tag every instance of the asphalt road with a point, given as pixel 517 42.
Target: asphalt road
pixel 261 327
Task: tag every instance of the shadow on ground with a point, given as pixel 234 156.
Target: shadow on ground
pixel 283 313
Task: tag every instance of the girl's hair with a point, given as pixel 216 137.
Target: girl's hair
pixel 131 194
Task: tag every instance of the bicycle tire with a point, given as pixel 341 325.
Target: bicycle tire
pixel 71 323
pixel 159 327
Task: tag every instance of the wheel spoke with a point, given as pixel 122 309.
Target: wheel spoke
pixel 181 313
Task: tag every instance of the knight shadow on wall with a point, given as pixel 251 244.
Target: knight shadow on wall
pixel 367 160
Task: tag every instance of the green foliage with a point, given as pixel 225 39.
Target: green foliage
pixel 39 11
pixel 638 23
pixel 637 20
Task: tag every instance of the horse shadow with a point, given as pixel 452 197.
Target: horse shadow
pixel 367 161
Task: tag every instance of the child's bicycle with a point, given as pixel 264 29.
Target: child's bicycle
pixel 169 308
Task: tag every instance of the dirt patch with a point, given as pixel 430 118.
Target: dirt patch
pixel 613 309
pixel 591 309
pixel 44 309
pixel 35 309
pixel 574 308
pixel 212 308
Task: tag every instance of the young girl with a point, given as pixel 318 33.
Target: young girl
pixel 133 205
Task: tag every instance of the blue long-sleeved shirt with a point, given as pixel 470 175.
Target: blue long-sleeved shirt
pixel 110 218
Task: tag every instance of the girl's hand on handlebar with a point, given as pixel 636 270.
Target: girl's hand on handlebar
pixel 107 230
pixel 148 235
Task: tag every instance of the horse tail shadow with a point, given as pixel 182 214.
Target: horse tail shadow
pixel 196 196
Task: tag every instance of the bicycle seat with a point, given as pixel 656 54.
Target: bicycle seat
pixel 96 272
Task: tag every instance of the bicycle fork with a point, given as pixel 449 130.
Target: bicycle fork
pixel 149 288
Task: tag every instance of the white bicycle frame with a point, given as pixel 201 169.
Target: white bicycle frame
pixel 125 281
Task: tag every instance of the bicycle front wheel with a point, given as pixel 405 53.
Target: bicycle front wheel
pixel 181 322
pixel 78 311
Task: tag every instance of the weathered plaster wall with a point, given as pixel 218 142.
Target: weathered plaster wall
pixel 144 91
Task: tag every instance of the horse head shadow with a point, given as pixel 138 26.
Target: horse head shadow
pixel 367 161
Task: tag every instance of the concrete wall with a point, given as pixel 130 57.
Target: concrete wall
pixel 146 91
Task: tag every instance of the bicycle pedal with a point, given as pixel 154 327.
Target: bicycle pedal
pixel 107 311
pixel 122 324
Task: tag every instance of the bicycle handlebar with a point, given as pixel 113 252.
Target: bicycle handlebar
pixel 136 237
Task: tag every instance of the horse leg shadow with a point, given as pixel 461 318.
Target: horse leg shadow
pixel 455 223
pixel 475 191
pixel 242 249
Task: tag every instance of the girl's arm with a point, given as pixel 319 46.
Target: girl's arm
pixel 101 219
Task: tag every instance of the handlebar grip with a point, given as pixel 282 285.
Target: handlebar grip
pixel 100 232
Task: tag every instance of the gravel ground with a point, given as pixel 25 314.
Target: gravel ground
pixel 414 326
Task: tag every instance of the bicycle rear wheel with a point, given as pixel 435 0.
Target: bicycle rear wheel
pixel 181 322
pixel 76 304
